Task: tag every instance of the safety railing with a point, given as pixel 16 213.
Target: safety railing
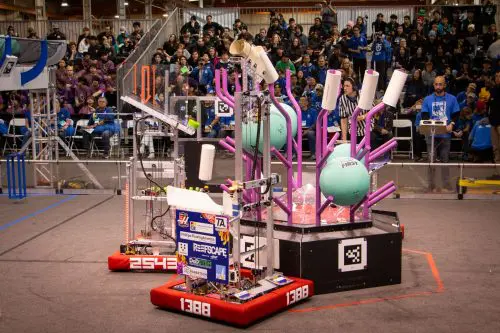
pixel 126 66
pixel 412 180
pixel 137 76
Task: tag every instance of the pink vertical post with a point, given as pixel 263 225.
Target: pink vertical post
pixel 298 110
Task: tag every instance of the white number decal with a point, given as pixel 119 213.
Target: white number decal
pixel 296 295
pixel 147 263
pixel 135 263
pixel 195 307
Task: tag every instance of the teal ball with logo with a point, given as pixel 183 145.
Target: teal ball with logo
pixel 346 179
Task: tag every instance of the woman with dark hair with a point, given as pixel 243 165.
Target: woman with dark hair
pixel 214 59
pixel 403 59
pixel 418 60
pixel 360 22
pixel 415 89
pixel 295 51
pixel 160 63
pixel 301 80
pixel 347 104
pixel 171 45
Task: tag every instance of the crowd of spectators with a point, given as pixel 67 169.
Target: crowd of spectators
pixel 85 75
pixel 463 48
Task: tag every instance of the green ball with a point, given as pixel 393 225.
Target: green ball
pixel 277 135
pixel 343 150
pixel 291 112
pixel 346 179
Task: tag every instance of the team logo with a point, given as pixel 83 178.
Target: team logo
pixel 183 219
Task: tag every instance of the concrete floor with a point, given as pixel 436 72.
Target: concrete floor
pixel 54 276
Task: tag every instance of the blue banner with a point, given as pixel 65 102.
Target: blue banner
pixel 202 246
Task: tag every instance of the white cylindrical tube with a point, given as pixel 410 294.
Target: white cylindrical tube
pixel 266 67
pixel 395 87
pixel 331 91
pixel 240 48
pixel 368 90
pixel 206 162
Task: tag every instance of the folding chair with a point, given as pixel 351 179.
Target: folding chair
pixel 401 124
pixel 15 124
pixel 82 123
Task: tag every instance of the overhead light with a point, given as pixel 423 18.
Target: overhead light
pixel 165 15
pixel 117 16
pixel 64 4
pixel 125 3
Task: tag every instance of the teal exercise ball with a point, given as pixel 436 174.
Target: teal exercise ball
pixel 291 112
pixel 343 150
pixel 346 179
pixel 277 134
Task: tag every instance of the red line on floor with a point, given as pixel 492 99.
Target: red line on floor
pixel 435 274
pixel 363 301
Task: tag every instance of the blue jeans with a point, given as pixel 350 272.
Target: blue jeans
pixel 311 140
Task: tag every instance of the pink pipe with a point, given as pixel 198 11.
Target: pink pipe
pixel 360 145
pixel 232 143
pixel 377 153
pixel 298 110
pixel 281 157
pixel 319 160
pixel 329 149
pixel 219 92
pixel 368 120
pixel 237 82
pixel 282 206
pixel 354 208
pixel 383 195
pixel 354 131
pixel 224 188
pixel 380 190
pixel 230 148
pixel 289 147
pixel 225 91
pixel 324 132
pixel 325 204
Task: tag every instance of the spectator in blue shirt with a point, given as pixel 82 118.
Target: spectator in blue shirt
pixel 309 115
pixel 462 128
pixel 307 67
pixel 206 74
pixel 480 141
pixel 101 124
pixel 440 106
pixel 379 57
pixel 64 121
pixel 357 47
pixel 322 69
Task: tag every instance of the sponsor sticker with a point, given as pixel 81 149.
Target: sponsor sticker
pixel 197 238
pixel 203 228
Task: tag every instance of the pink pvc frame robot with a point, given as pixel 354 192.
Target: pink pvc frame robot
pixel 228 143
